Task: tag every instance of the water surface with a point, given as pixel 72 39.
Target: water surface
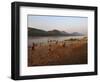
pixel 46 39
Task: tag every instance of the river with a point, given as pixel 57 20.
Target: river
pixel 45 39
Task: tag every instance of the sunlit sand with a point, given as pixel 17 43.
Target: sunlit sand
pixel 66 52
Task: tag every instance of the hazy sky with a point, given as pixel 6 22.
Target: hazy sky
pixel 62 23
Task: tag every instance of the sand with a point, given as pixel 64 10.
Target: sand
pixel 67 52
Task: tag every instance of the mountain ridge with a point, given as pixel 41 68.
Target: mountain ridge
pixel 55 32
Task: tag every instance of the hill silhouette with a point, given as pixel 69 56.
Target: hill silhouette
pixel 39 32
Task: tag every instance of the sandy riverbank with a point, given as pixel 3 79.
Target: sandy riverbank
pixel 61 53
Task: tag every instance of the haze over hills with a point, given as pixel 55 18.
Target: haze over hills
pixel 39 32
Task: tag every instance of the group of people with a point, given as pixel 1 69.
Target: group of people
pixel 50 43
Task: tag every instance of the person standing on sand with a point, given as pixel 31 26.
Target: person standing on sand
pixel 63 44
pixel 33 46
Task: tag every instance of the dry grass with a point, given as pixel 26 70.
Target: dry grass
pixel 72 52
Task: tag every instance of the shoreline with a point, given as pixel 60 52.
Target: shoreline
pixel 73 51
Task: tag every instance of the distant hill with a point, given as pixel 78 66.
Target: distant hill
pixel 54 32
pixel 39 32
pixel 36 32
pixel 76 34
